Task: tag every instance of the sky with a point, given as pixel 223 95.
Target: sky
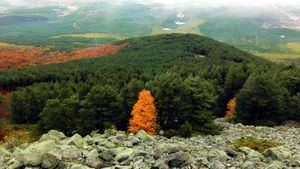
pixel 170 3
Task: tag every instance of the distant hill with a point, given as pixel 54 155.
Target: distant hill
pixel 160 51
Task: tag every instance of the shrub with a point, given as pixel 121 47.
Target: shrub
pixel 1 98
pixel 2 135
pixel 255 144
pixel 171 132
pixel 186 130
pixel 18 137
pixel 230 113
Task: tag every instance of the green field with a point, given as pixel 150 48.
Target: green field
pixel 191 26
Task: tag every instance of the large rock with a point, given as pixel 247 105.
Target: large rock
pixel 167 148
pixel 161 163
pixel 53 135
pixel 142 135
pixel 106 155
pixel 79 166
pixel 93 160
pixel 179 159
pixel 278 153
pixel 34 154
pixel 76 140
pixel 295 160
pixel 49 161
pixel 70 152
pixel 14 164
pixel 275 165
pixel 251 154
pixel 5 155
pixel 125 154
pixel 217 165
pixel 248 165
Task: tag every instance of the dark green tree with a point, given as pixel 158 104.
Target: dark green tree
pixel 294 106
pixel 70 109
pixel 18 105
pixel 169 92
pixel 262 100
pixel 52 117
pixel 101 108
pixel 200 99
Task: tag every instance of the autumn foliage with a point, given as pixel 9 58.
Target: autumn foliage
pixel 2 135
pixel 231 105
pixel 16 57
pixel 143 114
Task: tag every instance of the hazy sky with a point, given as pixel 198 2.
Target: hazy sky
pixel 206 3
pixel 228 2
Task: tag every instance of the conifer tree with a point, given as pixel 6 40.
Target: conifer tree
pixel 143 114
pixel 231 105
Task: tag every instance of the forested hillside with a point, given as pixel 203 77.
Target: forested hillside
pixel 192 78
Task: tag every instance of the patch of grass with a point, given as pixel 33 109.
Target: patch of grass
pixel 191 26
pixel 259 145
pixel 294 46
pixel 93 35
pixel 199 56
pixel 8 45
pixel 280 57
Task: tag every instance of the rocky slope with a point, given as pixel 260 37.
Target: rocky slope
pixel 118 150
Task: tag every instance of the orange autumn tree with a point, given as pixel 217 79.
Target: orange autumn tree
pixel 143 114
pixel 231 105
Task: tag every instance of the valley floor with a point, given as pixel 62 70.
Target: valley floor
pixel 116 149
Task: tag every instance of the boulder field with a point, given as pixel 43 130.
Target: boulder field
pixel 120 150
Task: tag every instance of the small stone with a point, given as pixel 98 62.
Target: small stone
pixel 217 165
pixel 231 152
pixel 134 141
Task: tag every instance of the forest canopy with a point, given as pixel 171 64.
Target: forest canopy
pixel 192 78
